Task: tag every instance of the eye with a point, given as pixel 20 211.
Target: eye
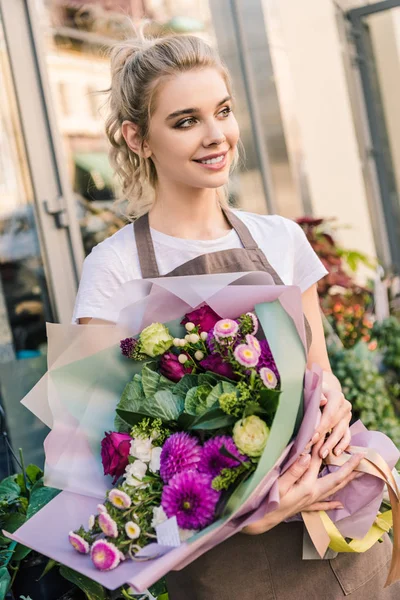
pixel 226 111
pixel 185 123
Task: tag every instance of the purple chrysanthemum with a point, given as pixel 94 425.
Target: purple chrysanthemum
pixel 181 452
pixel 266 359
pixel 105 555
pixel 212 461
pixel 190 498
pixel 127 346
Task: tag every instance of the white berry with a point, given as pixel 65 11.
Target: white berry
pixel 204 335
pixel 199 355
pixel 190 326
pixel 193 338
pixel 182 358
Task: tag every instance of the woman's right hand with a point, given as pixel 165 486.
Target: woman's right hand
pixel 300 489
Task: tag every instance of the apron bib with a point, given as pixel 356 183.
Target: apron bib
pixel 267 566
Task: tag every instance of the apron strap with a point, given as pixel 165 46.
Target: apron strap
pixel 145 248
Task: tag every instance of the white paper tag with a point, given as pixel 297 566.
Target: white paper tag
pixel 168 533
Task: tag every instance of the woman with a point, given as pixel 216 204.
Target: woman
pixel 174 140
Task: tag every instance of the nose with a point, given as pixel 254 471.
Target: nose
pixel 214 135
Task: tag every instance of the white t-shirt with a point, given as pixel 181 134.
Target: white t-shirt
pixel 115 261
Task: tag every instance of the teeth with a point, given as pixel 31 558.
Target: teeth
pixel 212 161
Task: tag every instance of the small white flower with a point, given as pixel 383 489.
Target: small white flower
pixel 154 464
pixel 182 358
pixel 190 326
pixel 135 472
pixel 133 482
pixel 199 355
pixel 194 338
pixel 132 530
pixel 204 335
pixel 159 516
pixel 91 522
pixel 141 449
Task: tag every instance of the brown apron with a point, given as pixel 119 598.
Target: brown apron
pixel 267 566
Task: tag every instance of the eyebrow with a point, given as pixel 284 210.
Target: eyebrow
pixel 189 111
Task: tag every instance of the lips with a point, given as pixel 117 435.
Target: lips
pixel 220 155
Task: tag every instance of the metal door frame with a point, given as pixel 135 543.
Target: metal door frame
pixel 57 223
pixel 390 223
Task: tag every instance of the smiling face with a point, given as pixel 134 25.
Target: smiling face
pixel 193 133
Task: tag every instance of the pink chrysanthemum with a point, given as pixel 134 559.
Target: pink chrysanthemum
pixel 246 355
pixel 225 328
pixel 119 499
pixel 101 508
pixel 180 452
pixel 190 498
pixel 255 322
pixel 253 342
pixel 266 358
pixel 212 461
pixel 105 555
pixel 269 378
pixel 108 525
pixel 78 543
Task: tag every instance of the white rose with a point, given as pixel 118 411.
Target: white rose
pixel 141 449
pixel 137 469
pixel 159 516
pixel 132 481
pixel 154 465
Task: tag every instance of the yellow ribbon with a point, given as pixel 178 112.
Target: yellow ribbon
pixel 325 534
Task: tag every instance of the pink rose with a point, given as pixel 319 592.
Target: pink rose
pixel 171 368
pixel 115 449
pixel 204 317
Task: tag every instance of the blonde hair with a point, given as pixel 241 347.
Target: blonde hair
pixel 137 67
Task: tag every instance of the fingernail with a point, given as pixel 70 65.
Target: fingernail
pixel 304 459
pixel 324 453
pixel 315 437
pixel 340 506
pixel 338 452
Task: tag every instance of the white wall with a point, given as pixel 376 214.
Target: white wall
pixel 311 39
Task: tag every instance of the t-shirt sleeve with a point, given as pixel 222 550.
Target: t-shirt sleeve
pixel 307 267
pixel 102 275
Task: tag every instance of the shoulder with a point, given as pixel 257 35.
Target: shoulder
pixel 117 254
pixel 272 225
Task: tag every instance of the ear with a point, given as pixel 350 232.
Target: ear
pixel 130 132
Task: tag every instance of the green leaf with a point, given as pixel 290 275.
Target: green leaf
pixel 183 386
pixel 253 408
pixel 121 425
pixel 4 582
pixel 166 406
pixel 9 490
pixel 269 401
pixel 50 565
pixel 223 387
pixel 14 521
pixel 39 498
pixel 93 590
pixel 132 396
pixel 196 400
pixel 210 378
pixel 213 419
pixel 185 421
pixel 153 382
pixel 34 473
pixel 20 553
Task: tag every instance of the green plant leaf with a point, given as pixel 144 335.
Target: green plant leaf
pixel 50 565
pixel 164 405
pixel 4 582
pixel 210 378
pixel 213 419
pixel 253 408
pixel 132 396
pixel 269 401
pixel 153 382
pixel 120 425
pixel 34 473
pixel 196 400
pixel 92 589
pixel 14 521
pixel 39 498
pixel 186 421
pixel 183 386
pixel 223 387
pixel 9 490
pixel 20 553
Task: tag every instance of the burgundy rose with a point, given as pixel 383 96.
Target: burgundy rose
pixel 114 453
pixel 171 368
pixel 214 363
pixel 204 317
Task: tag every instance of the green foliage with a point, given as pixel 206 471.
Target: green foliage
pixel 387 336
pixel 365 388
pixel 196 401
pixel 93 590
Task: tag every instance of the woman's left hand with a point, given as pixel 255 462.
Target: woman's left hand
pixel 335 420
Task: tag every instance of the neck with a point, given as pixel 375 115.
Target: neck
pixel 188 213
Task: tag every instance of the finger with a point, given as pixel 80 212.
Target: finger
pixel 332 505
pixel 330 484
pixel 332 413
pixel 292 475
pixel 334 438
pixel 344 443
pixel 324 400
pixel 346 481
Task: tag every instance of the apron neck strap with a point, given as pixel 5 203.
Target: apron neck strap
pixel 145 246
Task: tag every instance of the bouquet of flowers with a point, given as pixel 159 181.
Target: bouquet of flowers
pixel 191 426
pixel 199 434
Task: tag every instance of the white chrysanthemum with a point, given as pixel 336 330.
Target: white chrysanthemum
pixel 132 530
